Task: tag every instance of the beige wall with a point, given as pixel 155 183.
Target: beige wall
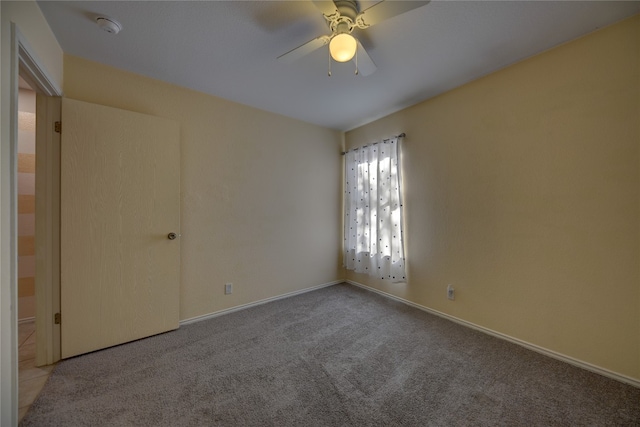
pixel 260 192
pixel 522 191
pixel 33 27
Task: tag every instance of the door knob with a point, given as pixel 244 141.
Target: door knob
pixel 172 236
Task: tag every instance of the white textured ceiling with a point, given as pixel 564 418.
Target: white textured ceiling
pixel 229 48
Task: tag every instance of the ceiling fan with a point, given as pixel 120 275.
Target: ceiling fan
pixel 343 17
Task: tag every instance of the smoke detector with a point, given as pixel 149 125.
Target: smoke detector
pixel 109 25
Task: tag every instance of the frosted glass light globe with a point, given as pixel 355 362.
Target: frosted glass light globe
pixel 343 47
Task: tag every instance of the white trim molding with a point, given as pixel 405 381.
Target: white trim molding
pixel 555 355
pixel 256 303
pixel 30 68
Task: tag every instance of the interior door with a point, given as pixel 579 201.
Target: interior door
pixel 120 199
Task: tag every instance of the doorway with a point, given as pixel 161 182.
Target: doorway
pixel 31 378
pixel 27 234
pixel 26 203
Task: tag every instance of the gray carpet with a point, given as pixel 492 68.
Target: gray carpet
pixel 338 356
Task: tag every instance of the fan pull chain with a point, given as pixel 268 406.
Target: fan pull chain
pixel 329 73
pixel 357 72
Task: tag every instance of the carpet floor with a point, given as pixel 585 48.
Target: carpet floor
pixel 338 356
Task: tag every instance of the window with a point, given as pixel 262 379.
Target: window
pixel 373 211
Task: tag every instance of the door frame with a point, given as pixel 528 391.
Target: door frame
pixel 47 216
pixel 26 64
pixel 47 213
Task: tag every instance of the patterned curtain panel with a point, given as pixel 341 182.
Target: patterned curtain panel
pixel 373 211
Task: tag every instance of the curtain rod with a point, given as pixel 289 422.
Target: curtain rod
pixel 402 135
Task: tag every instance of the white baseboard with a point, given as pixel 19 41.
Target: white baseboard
pixel 255 303
pixel 559 356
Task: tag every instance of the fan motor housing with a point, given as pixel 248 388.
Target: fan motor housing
pixel 347 8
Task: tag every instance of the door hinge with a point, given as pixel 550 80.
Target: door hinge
pixel 56 318
pixel 57 126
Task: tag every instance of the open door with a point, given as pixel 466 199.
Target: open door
pixel 120 226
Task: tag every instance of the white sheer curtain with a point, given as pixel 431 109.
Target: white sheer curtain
pixel 373 211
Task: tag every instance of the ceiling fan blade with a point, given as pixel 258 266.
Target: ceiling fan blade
pixel 327 7
pixel 365 64
pixel 305 49
pixel 385 10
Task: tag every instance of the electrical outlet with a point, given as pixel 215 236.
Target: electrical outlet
pixel 228 288
pixel 450 293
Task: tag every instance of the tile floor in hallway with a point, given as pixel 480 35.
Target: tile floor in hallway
pixel 31 379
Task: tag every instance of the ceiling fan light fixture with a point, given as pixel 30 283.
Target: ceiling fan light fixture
pixel 343 47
